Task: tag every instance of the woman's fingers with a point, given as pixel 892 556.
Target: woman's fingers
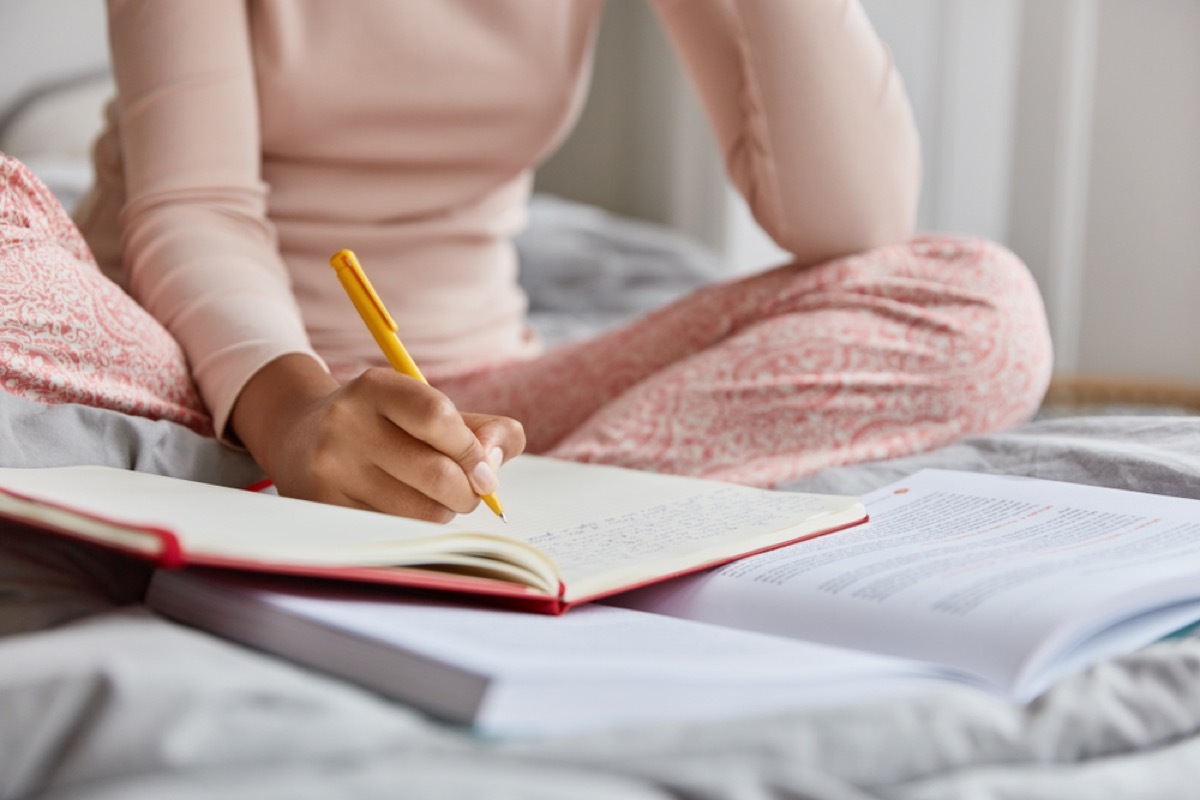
pixel 424 442
pixel 501 438
pixel 380 491
pixel 388 442
pixel 429 416
pixel 411 463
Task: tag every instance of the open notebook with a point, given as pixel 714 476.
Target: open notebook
pixel 576 531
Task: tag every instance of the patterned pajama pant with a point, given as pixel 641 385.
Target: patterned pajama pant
pixel 774 376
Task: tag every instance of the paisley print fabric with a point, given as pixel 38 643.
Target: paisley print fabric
pixel 780 374
pixel 67 333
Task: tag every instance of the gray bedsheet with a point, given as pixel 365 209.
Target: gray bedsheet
pixel 101 699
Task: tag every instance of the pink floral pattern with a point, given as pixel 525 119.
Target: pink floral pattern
pixel 768 378
pixel 67 333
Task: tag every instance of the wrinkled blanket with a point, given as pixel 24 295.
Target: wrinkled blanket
pixel 100 698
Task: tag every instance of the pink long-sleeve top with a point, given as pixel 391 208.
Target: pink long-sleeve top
pixel 250 139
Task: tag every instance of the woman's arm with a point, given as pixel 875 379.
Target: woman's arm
pixel 811 117
pixel 198 250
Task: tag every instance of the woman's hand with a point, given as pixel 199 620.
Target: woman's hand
pixel 383 441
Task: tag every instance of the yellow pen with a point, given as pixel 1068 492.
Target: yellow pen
pixel 383 328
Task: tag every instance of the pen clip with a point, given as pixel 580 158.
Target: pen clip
pixel 345 259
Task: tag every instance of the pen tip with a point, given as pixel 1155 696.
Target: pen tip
pixel 503 518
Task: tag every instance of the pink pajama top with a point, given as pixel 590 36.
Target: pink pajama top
pixel 250 139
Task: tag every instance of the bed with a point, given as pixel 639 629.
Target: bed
pixel 100 698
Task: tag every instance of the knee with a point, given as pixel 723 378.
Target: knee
pixel 1003 345
pixel 982 267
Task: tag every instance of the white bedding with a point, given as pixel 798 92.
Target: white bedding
pixel 101 699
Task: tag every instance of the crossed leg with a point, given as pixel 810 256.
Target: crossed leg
pixel 777 375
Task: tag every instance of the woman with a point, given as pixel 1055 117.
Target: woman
pixel 250 139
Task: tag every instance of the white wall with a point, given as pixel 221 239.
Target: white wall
pixel 1052 159
pixel 1140 288
pixel 36 45
pixel 1106 200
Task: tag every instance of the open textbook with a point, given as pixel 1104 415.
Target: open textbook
pixel 1013 581
pixel 576 531
pixel 997 583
